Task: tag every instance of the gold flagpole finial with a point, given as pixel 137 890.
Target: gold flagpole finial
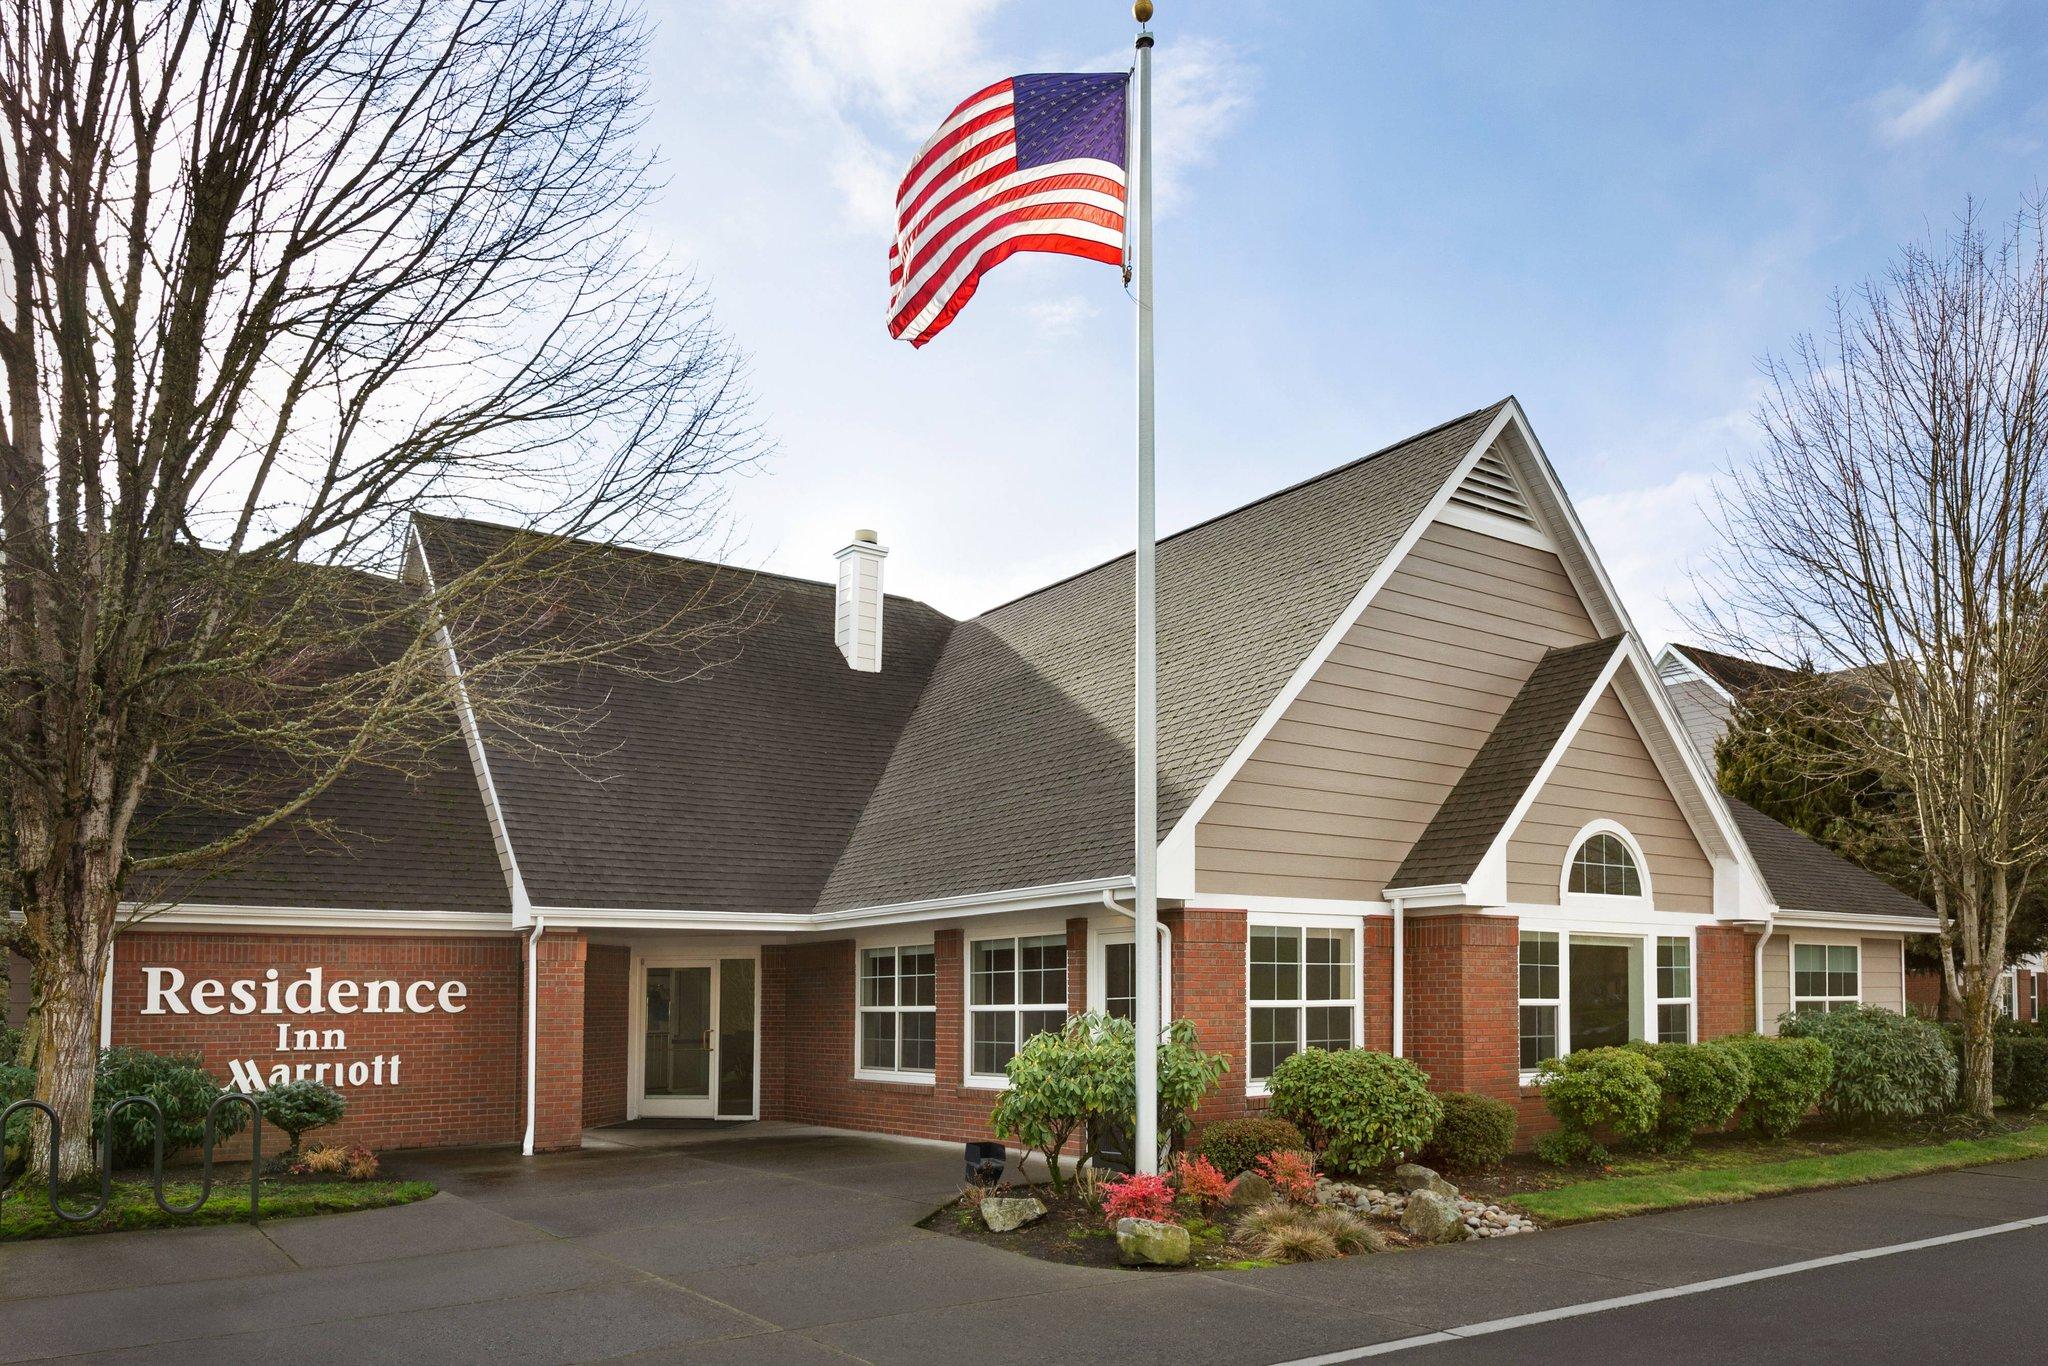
pixel 1143 10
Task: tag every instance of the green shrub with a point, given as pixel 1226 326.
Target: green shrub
pixel 1888 1066
pixel 1474 1132
pixel 1787 1078
pixel 1613 1088
pixel 178 1084
pixel 1359 1110
pixel 299 1107
pixel 16 1083
pixel 1082 1078
pixel 10 1046
pixel 1236 1145
pixel 2024 1073
pixel 1703 1086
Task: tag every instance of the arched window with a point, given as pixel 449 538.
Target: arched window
pixel 1605 866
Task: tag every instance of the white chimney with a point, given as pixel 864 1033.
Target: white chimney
pixel 857 625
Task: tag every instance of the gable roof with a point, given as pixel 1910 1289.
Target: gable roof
pixel 1015 770
pixel 726 779
pixel 1802 875
pixel 1507 764
pixel 1731 673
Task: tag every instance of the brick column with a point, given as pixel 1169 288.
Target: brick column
pixel 1377 1007
pixel 1462 1025
pixel 772 1033
pixel 1077 965
pixel 1208 990
pixel 558 1096
pixel 950 991
pixel 1724 981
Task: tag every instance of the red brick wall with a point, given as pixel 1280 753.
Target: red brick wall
pixel 1378 1005
pixel 1208 991
pixel 558 1043
pixel 1724 986
pixel 1461 1024
pixel 459 1076
pixel 607 1006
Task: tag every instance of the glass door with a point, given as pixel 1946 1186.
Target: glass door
pixel 697 1039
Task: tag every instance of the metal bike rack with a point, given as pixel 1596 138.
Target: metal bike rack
pixel 156 1180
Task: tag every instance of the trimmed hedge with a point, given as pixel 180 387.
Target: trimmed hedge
pixel 1888 1066
pixel 1359 1110
pixel 1236 1145
pixel 1787 1078
pixel 1702 1087
pixel 1474 1132
pixel 1618 1089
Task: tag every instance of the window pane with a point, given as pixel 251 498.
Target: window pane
pixel 878 1039
pixel 878 977
pixel 1042 1022
pixel 995 973
pixel 1539 966
pixel 1674 1024
pixel 1120 980
pixel 1328 1027
pixel 1602 995
pixel 1329 965
pixel 920 1041
pixel 1275 1035
pixel 1276 964
pixel 1809 970
pixel 1603 866
pixel 1539 1034
pixel 1841 970
pixel 995 1041
pixel 1674 968
pixel 919 975
pixel 1044 962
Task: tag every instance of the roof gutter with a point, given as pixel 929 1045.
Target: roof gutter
pixel 1130 913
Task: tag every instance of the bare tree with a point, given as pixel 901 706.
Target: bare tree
pixel 1896 524
pixel 279 276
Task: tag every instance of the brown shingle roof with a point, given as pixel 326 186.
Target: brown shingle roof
pixel 1466 825
pixel 1733 673
pixel 1804 876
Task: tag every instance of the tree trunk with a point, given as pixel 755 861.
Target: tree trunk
pixel 1980 1009
pixel 67 1060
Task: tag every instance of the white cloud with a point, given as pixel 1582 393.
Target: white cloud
pixel 1653 539
pixel 1203 89
pixel 1906 113
pixel 1056 318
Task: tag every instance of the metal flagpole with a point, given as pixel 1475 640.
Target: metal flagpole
pixel 1145 743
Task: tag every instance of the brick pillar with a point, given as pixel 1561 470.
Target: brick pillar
pixel 1208 990
pixel 1462 1025
pixel 1376 1010
pixel 772 1034
pixel 1077 965
pixel 950 991
pixel 558 1051
pixel 1724 981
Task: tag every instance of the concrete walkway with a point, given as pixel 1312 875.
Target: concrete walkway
pixel 774 1244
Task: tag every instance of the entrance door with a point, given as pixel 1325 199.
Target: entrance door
pixel 697 1039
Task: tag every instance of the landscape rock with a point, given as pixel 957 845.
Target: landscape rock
pixel 1410 1177
pixel 1006 1213
pixel 1249 1190
pixel 1433 1218
pixel 1147 1242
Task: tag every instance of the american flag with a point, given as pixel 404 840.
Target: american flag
pixel 1033 163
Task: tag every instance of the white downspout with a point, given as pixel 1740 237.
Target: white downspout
pixel 1770 928
pixel 1165 951
pixel 532 1029
pixel 1400 932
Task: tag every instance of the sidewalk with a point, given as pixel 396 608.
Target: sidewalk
pixel 781 1245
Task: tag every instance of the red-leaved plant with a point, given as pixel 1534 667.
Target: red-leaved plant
pixel 1137 1197
pixel 1293 1175
pixel 1201 1182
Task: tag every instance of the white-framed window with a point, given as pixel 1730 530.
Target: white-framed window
pixel 1826 977
pixel 1604 864
pixel 1301 991
pixel 1015 988
pixel 1674 989
pixel 2033 996
pixel 1541 992
pixel 897 1025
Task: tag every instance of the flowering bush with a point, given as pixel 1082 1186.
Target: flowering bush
pixel 1293 1175
pixel 1138 1197
pixel 1200 1182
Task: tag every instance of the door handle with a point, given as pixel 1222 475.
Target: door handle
pixel 707 1040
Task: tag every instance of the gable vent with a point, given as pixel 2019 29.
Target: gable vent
pixel 1491 488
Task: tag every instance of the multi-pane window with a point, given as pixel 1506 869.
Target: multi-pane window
pixel 1301 993
pixel 1540 978
pixel 1120 980
pixel 898 1015
pixel 1674 990
pixel 1603 866
pixel 1825 977
pixel 1015 988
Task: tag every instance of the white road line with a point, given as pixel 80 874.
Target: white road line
pixel 1573 1311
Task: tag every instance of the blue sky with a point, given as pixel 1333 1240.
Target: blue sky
pixel 1374 217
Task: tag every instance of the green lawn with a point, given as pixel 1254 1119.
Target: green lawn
pixel 27 1214
pixel 1721 1178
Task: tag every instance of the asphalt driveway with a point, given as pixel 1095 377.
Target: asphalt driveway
pixel 775 1244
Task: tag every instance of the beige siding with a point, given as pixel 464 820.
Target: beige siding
pixel 1333 798
pixel 1702 712
pixel 1879 980
pixel 1607 772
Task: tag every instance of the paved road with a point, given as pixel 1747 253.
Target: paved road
pixel 777 1245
